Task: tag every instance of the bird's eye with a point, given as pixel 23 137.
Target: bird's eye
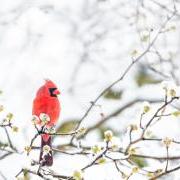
pixel 51 90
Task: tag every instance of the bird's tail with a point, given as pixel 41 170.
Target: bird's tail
pixel 46 158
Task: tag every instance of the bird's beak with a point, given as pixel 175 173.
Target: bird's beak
pixel 56 92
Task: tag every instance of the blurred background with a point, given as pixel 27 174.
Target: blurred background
pixel 83 46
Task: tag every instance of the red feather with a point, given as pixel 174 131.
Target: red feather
pixel 44 103
pixel 48 103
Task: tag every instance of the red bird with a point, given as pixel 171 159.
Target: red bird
pixel 46 102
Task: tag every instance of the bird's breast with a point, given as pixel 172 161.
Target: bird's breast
pixel 50 106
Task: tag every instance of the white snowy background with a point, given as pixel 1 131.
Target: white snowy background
pixel 83 46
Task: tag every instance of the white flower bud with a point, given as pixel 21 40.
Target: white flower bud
pixel 165 85
pixel 132 151
pixel 108 135
pixel 35 119
pixel 170 88
pixel 146 107
pixel 51 130
pixel 44 118
pixel 135 169
pixel 172 92
pixel 144 36
pixel 9 116
pixel 27 149
pixel 134 127
pixel 77 175
pixel 46 149
pixel 176 113
pixel 134 53
pixel 15 129
pixel 167 141
pixel 101 160
pixel 96 149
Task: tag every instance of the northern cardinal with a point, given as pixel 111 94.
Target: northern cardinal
pixel 46 101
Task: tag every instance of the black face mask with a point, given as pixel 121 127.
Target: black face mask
pixel 51 90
